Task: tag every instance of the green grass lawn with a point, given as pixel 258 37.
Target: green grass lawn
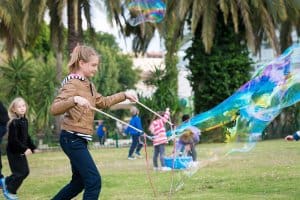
pixel 270 171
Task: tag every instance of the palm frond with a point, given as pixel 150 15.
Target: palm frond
pixel 209 23
pixel 224 6
pixel 199 7
pixel 56 24
pixel 246 15
pixel 235 16
pixel 269 28
pixel 5 15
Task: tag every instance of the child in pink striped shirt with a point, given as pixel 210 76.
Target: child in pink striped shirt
pixel 157 128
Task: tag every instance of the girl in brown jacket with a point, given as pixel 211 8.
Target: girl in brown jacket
pixel 74 100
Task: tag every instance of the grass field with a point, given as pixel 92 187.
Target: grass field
pixel 270 171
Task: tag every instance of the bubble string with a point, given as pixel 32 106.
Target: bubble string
pixel 145 145
pixel 148 167
pixel 155 113
pixel 173 164
pixel 174 146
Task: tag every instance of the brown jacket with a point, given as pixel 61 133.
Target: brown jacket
pixel 76 118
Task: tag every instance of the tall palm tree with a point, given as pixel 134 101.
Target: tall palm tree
pixel 19 23
pixel 75 30
pixel 56 29
pixel 11 26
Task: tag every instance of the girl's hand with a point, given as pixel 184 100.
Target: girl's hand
pixel 131 97
pixel 27 152
pixel 82 101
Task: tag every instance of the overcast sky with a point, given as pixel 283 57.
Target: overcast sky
pixel 100 23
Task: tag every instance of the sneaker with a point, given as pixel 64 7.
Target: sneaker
pixel 3 185
pixel 166 169
pixel 138 155
pixel 131 158
pixel 155 168
pixel 6 194
pixel 10 196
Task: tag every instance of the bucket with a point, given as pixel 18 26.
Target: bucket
pixel 178 162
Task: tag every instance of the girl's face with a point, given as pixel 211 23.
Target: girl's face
pixel 20 108
pixel 90 68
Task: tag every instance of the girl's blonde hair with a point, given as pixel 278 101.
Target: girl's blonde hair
pixel 80 52
pixel 11 109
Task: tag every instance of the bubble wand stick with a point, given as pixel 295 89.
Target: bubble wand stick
pixel 171 124
pixel 140 131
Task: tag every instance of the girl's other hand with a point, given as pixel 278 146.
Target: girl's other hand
pixel 28 152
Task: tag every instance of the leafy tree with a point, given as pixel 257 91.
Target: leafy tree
pixel 116 71
pixel 216 76
pixel 43 81
pixel 41 47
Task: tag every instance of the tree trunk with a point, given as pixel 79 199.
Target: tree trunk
pixel 74 24
pixel 59 61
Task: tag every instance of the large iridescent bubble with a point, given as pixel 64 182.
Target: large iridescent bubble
pixel 146 11
pixel 254 105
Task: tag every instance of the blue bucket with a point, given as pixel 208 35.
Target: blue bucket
pixel 178 162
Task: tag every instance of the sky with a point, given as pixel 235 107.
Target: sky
pixel 100 22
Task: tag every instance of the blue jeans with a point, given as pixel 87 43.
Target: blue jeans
pixel 159 150
pixel 135 145
pixel 85 173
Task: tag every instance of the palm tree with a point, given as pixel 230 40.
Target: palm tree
pixel 260 19
pixel 75 31
pixel 19 23
pixel 57 37
pixel 11 26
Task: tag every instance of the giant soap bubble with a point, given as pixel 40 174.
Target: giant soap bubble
pixel 146 11
pixel 254 105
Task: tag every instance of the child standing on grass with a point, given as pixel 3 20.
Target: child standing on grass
pixel 101 132
pixel 76 96
pixel 135 146
pixel 19 146
pixel 157 128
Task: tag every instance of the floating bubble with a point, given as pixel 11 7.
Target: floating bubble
pixel 254 105
pixel 146 11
